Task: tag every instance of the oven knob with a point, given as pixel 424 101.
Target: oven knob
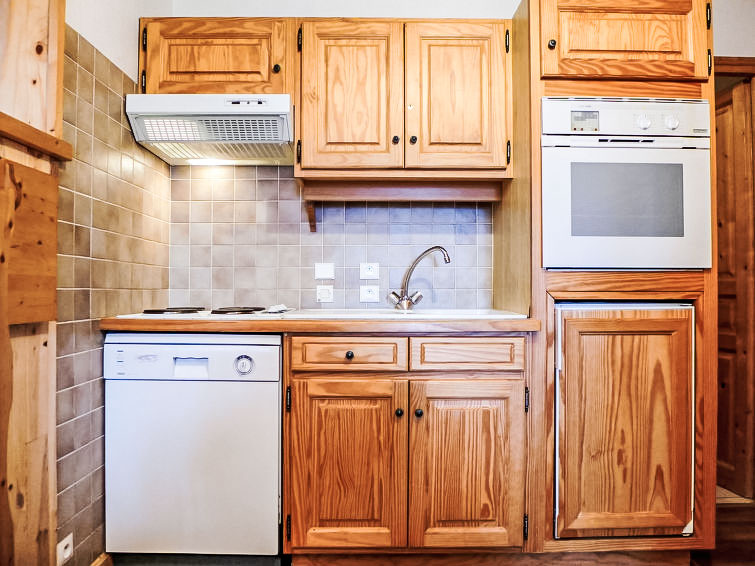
pixel 672 122
pixel 244 365
pixel 643 121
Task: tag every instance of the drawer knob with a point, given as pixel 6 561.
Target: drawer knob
pixel 418 413
pixel 395 140
pixel 399 412
pixel 349 355
pixel 276 68
pixel 552 44
pixel 413 140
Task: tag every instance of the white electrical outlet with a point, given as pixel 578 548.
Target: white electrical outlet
pixel 369 293
pixel 325 293
pixel 65 550
pixel 325 271
pixel 369 271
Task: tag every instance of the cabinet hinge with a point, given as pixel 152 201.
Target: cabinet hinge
pixel 710 62
pixel 508 152
pixel 508 40
pixel 288 527
pixel 144 38
pixel 298 151
pixel 144 82
pixel 526 399
pixel 707 15
pixel 288 399
pixel 298 40
pixel 526 527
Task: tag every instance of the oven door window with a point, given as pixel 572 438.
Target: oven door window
pixel 627 199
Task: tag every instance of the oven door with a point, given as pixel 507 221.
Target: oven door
pixel 626 207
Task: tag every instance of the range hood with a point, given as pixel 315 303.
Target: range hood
pixel 198 129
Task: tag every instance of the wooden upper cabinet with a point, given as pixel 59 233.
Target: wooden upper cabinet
pixel 456 95
pixel 655 39
pixel 352 94
pixel 348 458
pixel 466 463
pixel 219 55
pixel 625 422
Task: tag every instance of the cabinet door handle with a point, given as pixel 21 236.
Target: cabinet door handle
pixel 349 355
pixel 418 413
pixel 276 68
pixel 552 44
pixel 395 140
pixel 399 412
pixel 413 140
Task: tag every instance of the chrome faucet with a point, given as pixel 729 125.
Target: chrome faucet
pixel 404 301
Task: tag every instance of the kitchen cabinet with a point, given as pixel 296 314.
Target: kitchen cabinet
pixel 624 422
pixel 393 95
pixel 404 459
pixel 662 40
pixel 218 55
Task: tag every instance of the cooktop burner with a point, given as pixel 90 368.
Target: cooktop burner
pixel 237 310
pixel 174 310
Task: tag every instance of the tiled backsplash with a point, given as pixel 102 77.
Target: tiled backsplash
pixel 113 228
pixel 239 236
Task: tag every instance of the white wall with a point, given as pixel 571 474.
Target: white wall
pixel 733 22
pixel 348 8
pixel 112 26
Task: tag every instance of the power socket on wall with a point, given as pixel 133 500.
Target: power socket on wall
pixel 65 550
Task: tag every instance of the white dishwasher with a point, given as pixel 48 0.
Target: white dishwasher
pixel 192 443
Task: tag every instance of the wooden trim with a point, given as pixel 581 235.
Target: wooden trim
pixel 406 174
pixel 103 559
pixel 727 66
pixel 479 191
pixel 30 136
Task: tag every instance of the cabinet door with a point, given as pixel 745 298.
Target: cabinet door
pixel 349 468
pixel 466 455
pixel 352 94
pixel 663 39
pixel 625 422
pixel 218 55
pixel 456 95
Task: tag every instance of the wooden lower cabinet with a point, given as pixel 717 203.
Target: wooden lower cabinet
pixel 375 458
pixel 625 391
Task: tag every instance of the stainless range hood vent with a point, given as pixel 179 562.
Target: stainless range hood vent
pixel 197 128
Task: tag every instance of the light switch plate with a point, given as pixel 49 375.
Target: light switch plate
pixel 369 271
pixel 369 293
pixel 325 271
pixel 325 293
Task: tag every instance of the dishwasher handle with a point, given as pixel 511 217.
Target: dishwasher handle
pixel 191 367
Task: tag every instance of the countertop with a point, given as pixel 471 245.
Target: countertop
pixel 420 321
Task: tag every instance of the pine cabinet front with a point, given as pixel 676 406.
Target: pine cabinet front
pixel 352 94
pixel 456 97
pixel 663 39
pixel 218 55
pixel 348 451
pixel 466 458
pixel 625 422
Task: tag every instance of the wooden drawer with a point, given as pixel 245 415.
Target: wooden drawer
pixel 330 353
pixel 476 353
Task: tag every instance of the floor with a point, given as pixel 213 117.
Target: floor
pixel 735 532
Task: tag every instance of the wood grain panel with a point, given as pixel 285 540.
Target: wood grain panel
pixel 456 94
pixel 466 464
pixel 617 87
pixel 352 94
pixel 454 354
pixel 625 423
pixel 219 55
pixel 594 38
pixel 329 353
pixel 349 468
pixel 736 292
pixel 18 131
pixel 617 281
pixel 31 63
pixel 32 254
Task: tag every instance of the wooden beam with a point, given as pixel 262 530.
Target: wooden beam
pixel 30 136
pixel 402 191
pixel 728 66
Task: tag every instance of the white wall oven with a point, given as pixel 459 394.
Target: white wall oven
pixel 626 183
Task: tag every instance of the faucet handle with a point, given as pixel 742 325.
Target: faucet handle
pixel 416 297
pixel 395 297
